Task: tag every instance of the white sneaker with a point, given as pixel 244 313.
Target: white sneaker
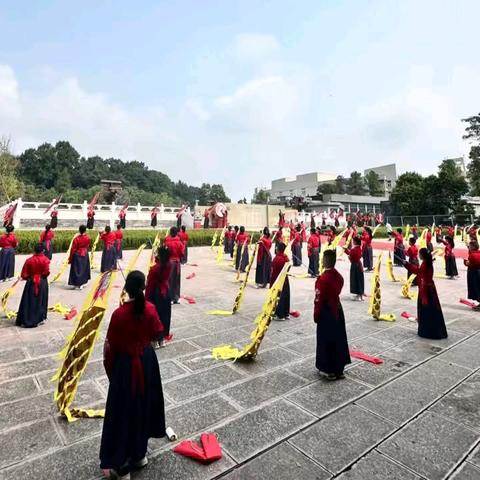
pixel 162 344
pixel 116 476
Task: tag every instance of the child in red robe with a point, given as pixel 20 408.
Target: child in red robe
pixel 282 311
pixel 313 250
pixel 109 253
pixel 450 260
pixel 46 239
pixel 8 244
pixel 242 240
pixel 183 235
pixel 177 251
pixel 119 241
pixel 79 260
pixel 264 260
pixel 357 280
pixel 473 271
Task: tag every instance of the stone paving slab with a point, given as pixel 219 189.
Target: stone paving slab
pixel 259 409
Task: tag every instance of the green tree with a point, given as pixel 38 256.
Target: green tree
pixel 356 184
pixel 408 195
pixel 340 185
pixel 373 183
pixel 217 194
pixel 474 170
pixel 10 185
pixel 326 188
pixel 473 129
pixel 261 197
pixel 450 187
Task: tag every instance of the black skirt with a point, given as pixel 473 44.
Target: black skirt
pixel 430 246
pixel 7 263
pixel 473 284
pixel 241 263
pixel 368 258
pixel 33 308
pixel 118 248
pixel 184 259
pixel 332 345
pixel 163 304
pixel 313 262
pixel 79 270
pixel 53 222
pixel 153 221
pixel 123 223
pixel 357 280
pixel 283 305
pixel 174 283
pixel 48 253
pixel 206 222
pixel 231 245
pixel 431 323
pixel 398 256
pixel 130 420
pixel 451 266
pixel 264 270
pixel 297 254
pixel 90 222
pixel 109 259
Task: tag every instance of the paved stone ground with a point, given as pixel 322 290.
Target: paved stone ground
pixel 415 416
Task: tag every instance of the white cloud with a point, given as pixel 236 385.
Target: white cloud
pixel 255 47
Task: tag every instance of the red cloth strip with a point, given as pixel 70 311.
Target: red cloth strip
pixel 190 300
pixel 192 275
pixel 366 357
pixel 468 303
pixel 408 316
pixel 295 313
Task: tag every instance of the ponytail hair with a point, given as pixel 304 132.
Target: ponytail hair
pixel 134 286
pixel 163 255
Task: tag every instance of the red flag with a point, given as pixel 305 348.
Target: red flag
pixel 211 447
pixel 187 448
pixel 56 201
pixel 366 357
pixel 468 303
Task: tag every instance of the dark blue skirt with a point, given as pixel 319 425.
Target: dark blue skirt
pixel 332 345
pixel 398 256
pixel 241 263
pixel 130 420
pixel 174 282
pixel 118 248
pixel 33 308
pixel 264 270
pixel 313 262
pixel 7 263
pixel 297 254
pixel 163 306
pixel 451 266
pixel 90 223
pixel 109 259
pixel 231 244
pixel 185 256
pixel 368 258
pixel 473 284
pixel 283 305
pixel 48 252
pixel 357 279
pixel 431 323
pixel 79 270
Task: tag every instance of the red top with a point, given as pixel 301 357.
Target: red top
pixel 34 268
pixel 54 213
pixel 8 240
pixel 296 238
pixel 80 245
pixel 366 240
pixel 398 240
pixel 265 244
pixel 412 253
pixel 473 260
pixel 304 234
pixel 355 254
pixel 313 242
pixel 451 231
pixel 118 237
pixel 278 236
pixel 122 214
pixel 108 239
pixel 424 279
pixel 242 238
pixel 90 213
pixel 46 237
pixel 277 264
pixel 130 334
pixel 158 277
pixel 448 249
pixel 176 247
pixel 429 236
pixel 327 293
pixel 414 229
pixel 183 237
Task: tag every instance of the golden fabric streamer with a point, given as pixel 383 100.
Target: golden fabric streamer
pixel 64 264
pixel 241 290
pixel 406 288
pixel 347 243
pixel 130 267
pixel 262 322
pixel 235 248
pixel 375 230
pixel 423 239
pixel 389 265
pixel 92 252
pixel 214 239
pixel 220 248
pixel 374 308
pixel 6 294
pixel 79 348
pixel 59 308
pixel 407 231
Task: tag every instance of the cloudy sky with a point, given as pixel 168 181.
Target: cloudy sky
pixel 242 91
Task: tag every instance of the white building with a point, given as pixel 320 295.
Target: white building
pixel 299 186
pixel 387 174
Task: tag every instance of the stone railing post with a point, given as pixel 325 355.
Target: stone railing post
pixel 17 218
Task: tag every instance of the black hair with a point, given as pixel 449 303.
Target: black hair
pixel 329 258
pixel 119 227
pixel 242 229
pixel 229 227
pixel 412 241
pixel 449 239
pixel 399 230
pixel 47 227
pixel 236 228
pixel 134 286
pixel 39 248
pixel 474 244
pixel 356 241
pixel 184 228
pixel 426 256
pixel 82 228
pixel 9 228
pixel 333 229
pixel 298 228
pixel 163 255
pixel 266 231
pixel 313 230
pixel 173 231
pixel 281 247
pixel 108 229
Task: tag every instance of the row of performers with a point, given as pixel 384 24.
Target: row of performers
pixel 34 303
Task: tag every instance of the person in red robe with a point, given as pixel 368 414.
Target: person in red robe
pixel 8 215
pixel 313 251
pixel 296 241
pixel 282 312
pixel 119 241
pixel 34 303
pixel 450 261
pixel 414 231
pixel 79 260
pixel 428 238
pixel 451 231
pixel 332 353
pixel 412 255
pixel 123 217
pixel 8 244
pixel 158 291
pixel 473 272
pixel 278 237
pixel 90 218
pixel 46 239
pixel 398 248
pixel 367 251
pixel 177 251
pixel 206 218
pixel 357 280
pixel 431 323
pixel 109 254
pixel 183 235
pixel 54 218
pixel 153 217
pixel 264 260
pixel 243 241
pixel 135 409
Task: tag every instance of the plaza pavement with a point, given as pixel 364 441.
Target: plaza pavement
pixel 415 416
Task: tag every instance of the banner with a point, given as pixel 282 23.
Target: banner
pixel 241 291
pixel 376 296
pixel 389 265
pixel 64 265
pixel 235 248
pixel 79 348
pixel 262 322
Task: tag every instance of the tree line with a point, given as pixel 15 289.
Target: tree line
pixel 45 172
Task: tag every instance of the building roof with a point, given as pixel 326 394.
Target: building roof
pixel 342 197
